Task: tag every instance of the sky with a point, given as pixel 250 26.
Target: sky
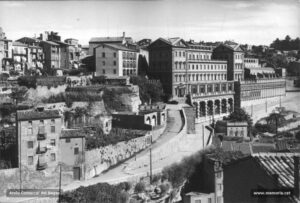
pixel 244 21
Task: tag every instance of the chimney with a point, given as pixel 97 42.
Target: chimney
pixel 123 35
pixel 296 177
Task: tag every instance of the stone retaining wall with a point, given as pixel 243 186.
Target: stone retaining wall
pixel 100 159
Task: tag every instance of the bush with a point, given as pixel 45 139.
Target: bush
pixel 101 192
pixel 99 139
pixel 148 90
pixel 28 81
pixel 140 187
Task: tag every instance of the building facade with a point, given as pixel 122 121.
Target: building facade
pixel 234 55
pixel 248 91
pixel 52 54
pixel 5 53
pixel 38 138
pixel 115 60
pixel 188 69
pixel 96 41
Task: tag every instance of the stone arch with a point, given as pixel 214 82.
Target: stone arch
pixel 210 107
pixel 196 109
pixel 153 120
pixel 202 108
pixel 148 120
pixel 230 105
pixel 217 106
pixel 223 106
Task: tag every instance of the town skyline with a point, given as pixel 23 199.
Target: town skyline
pixel 246 22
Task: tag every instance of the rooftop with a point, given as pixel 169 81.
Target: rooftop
pixel 118 47
pixel 108 39
pixel 36 114
pixel 72 133
pixel 278 164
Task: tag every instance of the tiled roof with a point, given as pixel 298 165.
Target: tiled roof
pixel 282 165
pixel 34 114
pixel 120 47
pixel 109 39
pixel 52 43
pixel 263 147
pixel 72 133
pixel 19 44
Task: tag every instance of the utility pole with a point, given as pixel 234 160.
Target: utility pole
pixel 59 186
pixel 151 160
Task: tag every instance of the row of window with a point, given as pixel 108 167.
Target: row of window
pixel 247 60
pixel 199 56
pixel 238 56
pixel 126 64
pixel 238 66
pixel 128 55
pixel 30 144
pixel 41 127
pixel 182 65
pixel 30 158
pixel 199 77
pixel 237 76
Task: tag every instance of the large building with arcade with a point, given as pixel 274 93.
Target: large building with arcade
pixel 187 71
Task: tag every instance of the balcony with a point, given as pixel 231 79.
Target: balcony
pixel 41 136
pixel 41 150
pixel 41 166
pixel 41 133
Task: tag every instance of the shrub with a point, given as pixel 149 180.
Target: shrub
pixel 101 192
pixel 28 81
pixel 140 187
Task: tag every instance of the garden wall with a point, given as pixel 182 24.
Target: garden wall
pixel 41 92
pixel 99 160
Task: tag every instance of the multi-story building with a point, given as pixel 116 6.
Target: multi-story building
pixel 74 51
pixel 5 53
pixel 188 69
pixel 96 41
pixel 38 138
pixel 253 69
pixel 115 60
pixel 52 54
pixel 234 55
pixel 35 52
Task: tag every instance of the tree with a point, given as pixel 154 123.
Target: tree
pixel 148 90
pixel 19 94
pixel 140 187
pixel 240 115
pixel 275 119
pixel 298 135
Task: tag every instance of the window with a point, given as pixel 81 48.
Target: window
pixel 30 160
pixel 103 54
pixel 219 199
pixel 103 63
pixel 76 150
pixel 115 71
pixel 115 63
pixel 115 54
pixel 52 128
pixel 198 201
pixel 52 142
pixel 68 140
pixel 30 144
pixel 53 157
pixel 30 131
pixel 209 200
pixel 219 174
pixel 103 71
pixel 219 186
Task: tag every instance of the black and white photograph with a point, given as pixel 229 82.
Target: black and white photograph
pixel 150 101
